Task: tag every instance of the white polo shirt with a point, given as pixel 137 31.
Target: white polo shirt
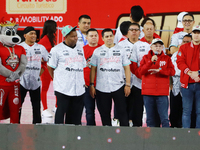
pixel 68 64
pixel 110 70
pixel 30 79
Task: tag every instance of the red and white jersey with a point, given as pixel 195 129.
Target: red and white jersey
pixel 110 71
pixel 138 51
pixel 82 41
pixel 118 35
pixel 177 38
pixel 30 79
pixel 9 62
pixel 127 45
pixel 68 64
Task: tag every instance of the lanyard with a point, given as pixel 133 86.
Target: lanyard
pixel 84 40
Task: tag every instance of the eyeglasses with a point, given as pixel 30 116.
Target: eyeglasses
pixel 131 29
pixel 189 21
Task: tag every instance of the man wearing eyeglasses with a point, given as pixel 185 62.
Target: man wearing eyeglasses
pixel 176 39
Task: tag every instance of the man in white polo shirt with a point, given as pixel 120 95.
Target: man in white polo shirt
pixel 66 63
pixel 110 62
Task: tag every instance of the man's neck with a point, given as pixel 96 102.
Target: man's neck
pixel 149 39
pixel 29 43
pixel 83 32
pixel 196 43
pixel 93 44
pixel 187 30
pixel 133 40
pixel 110 45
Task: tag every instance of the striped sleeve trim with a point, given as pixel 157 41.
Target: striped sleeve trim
pixel 133 60
pixel 186 70
pixel 51 66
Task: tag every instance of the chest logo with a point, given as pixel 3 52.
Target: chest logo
pixel 12 61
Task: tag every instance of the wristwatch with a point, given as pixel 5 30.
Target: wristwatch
pixel 91 84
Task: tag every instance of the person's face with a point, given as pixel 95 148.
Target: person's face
pixel 30 37
pixel 84 25
pixel 188 22
pixel 148 29
pixel 133 32
pixel 71 38
pixel 157 48
pixel 186 40
pixel 196 36
pixel 92 37
pixel 108 38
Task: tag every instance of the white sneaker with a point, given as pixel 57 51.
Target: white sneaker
pixel 130 123
pixel 115 122
pixel 46 113
pixel 54 109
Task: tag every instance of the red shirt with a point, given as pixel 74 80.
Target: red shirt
pixel 154 36
pixel 46 43
pixel 8 62
pixel 88 51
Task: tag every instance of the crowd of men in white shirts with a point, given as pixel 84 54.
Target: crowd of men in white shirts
pixel 131 69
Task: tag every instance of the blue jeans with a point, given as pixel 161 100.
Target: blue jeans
pixel 161 102
pixel 188 95
pixel 89 104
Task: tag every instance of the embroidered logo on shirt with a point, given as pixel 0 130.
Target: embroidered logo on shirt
pixel 179 53
pixel 12 61
pixel 162 63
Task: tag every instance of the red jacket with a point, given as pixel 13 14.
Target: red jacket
pixel 185 62
pixel 156 84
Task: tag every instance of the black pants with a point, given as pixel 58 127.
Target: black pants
pixel 71 106
pixel 104 105
pixel 135 107
pixel 35 101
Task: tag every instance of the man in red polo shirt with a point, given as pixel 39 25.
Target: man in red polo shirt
pixel 89 102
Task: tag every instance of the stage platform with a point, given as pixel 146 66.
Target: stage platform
pixel 69 137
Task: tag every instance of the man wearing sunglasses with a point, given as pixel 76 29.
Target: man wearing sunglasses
pixel 176 39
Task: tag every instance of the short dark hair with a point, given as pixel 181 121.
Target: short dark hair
pixel 134 24
pixel 189 14
pixel 145 20
pixel 106 30
pixel 91 29
pixel 137 13
pixel 124 27
pixel 188 35
pixel 84 16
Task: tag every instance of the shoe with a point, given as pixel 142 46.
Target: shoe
pixel 54 109
pixel 46 113
pixel 130 123
pixel 115 122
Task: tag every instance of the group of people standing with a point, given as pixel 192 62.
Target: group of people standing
pixel 131 68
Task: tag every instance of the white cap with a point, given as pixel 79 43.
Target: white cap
pixel 180 18
pixel 196 28
pixel 157 40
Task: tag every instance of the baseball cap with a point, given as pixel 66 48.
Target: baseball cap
pixel 28 29
pixel 180 18
pixel 157 40
pixel 67 29
pixel 196 28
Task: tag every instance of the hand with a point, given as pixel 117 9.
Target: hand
pixel 127 90
pixel 14 76
pixel 154 58
pixel 194 74
pixel 153 71
pixel 197 79
pixel 92 91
